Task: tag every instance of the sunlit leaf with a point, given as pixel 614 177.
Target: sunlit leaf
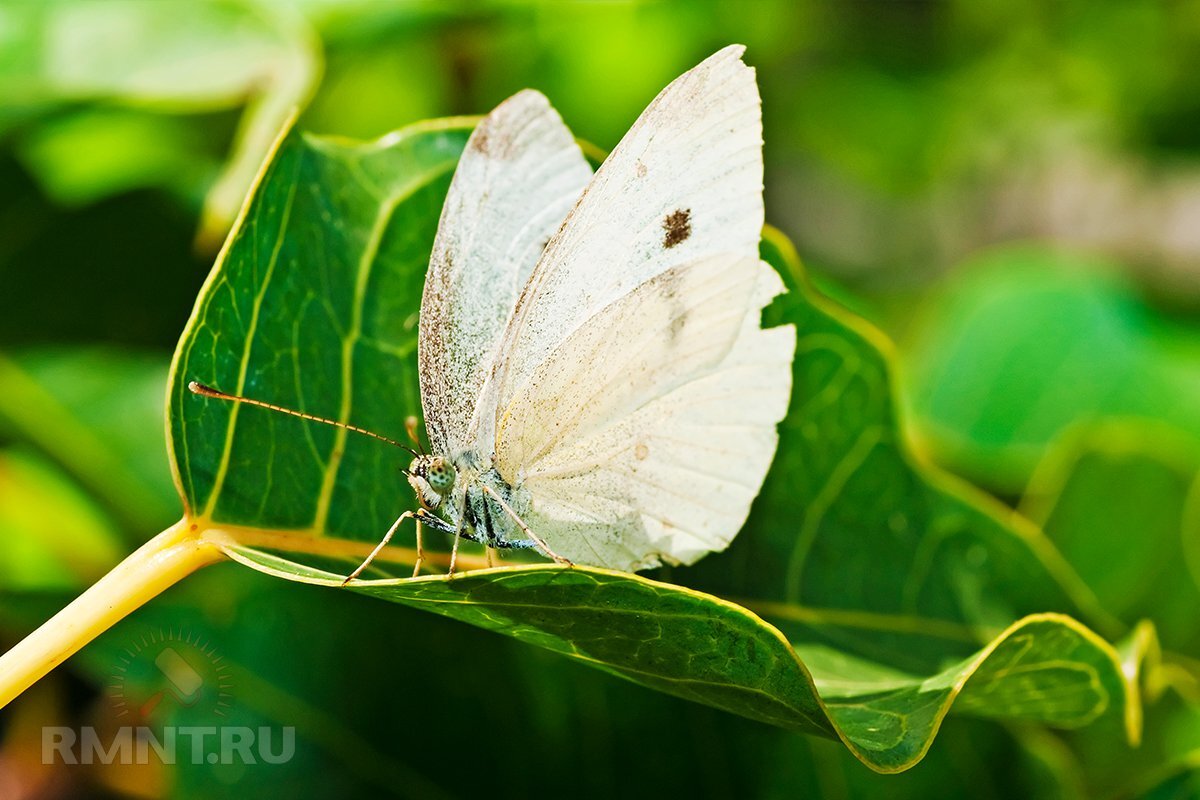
pixel 1121 500
pixel 165 57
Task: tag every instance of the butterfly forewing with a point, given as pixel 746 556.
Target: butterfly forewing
pixel 684 183
pixel 520 174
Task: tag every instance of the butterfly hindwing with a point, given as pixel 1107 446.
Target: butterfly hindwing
pixel 653 425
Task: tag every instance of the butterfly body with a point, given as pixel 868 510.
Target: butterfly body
pixel 456 487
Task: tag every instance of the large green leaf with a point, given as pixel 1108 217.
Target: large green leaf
pixel 1122 501
pixel 349 695
pixel 895 591
pixel 1025 342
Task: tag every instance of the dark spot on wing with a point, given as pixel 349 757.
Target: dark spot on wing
pixel 677 227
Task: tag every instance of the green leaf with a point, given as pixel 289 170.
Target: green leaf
pixel 1028 341
pixel 1121 501
pixel 317 290
pixel 139 150
pixel 897 593
pixel 299 657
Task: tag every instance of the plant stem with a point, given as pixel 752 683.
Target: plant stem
pixel 158 564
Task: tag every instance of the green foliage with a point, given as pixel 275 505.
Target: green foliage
pixel 1024 342
pixel 195 57
pixel 899 138
pixel 94 412
pixel 1122 501
pixel 51 533
pixel 893 587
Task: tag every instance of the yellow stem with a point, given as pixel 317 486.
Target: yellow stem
pixel 159 563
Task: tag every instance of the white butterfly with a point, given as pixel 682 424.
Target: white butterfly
pixel 599 386
pixel 594 376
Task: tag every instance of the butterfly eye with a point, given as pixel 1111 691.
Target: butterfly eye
pixel 440 476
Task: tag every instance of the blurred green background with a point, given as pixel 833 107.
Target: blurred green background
pixel 1009 188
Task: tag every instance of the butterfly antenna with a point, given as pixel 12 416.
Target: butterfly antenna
pixel 207 391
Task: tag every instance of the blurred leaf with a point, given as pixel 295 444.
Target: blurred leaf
pixel 97 413
pixel 124 269
pixel 1114 498
pixel 873 127
pixel 139 150
pixel 51 534
pixel 314 306
pixel 1168 757
pixel 368 90
pixel 165 57
pixel 1120 501
pixel 1027 342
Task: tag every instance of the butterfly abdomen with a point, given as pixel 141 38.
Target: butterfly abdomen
pixel 487 519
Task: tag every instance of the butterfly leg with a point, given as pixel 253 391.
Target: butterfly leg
pixel 454 550
pixel 420 547
pixel 545 548
pixel 387 537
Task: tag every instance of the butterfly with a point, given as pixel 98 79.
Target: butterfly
pixel 595 380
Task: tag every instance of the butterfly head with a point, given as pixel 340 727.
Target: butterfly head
pixel 433 478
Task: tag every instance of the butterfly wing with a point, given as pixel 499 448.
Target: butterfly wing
pixel 684 183
pixel 635 395
pixel 652 426
pixel 520 174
